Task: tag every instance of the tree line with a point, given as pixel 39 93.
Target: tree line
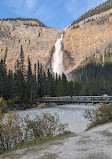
pixel 24 86
pixel 26 19
pixel 101 8
pixel 95 75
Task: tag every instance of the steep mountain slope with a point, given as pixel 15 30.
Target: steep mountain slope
pixel 101 8
pixel 89 35
pixel 37 41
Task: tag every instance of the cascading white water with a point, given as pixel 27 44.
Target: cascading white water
pixel 57 60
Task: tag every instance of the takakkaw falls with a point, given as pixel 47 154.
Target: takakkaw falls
pixel 56 83
pixel 57 60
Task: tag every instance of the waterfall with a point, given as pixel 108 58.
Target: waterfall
pixel 57 59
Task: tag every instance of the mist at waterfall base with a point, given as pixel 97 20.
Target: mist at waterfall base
pixel 57 59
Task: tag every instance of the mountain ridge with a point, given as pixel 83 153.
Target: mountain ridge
pixel 97 10
pixel 90 36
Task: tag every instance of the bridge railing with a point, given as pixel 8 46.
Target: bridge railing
pixel 77 99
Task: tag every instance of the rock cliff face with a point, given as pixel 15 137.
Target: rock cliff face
pixel 90 36
pixel 37 42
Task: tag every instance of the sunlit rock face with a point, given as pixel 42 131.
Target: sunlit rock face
pixel 37 42
pixel 93 36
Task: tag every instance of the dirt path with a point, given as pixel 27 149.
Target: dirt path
pixel 93 144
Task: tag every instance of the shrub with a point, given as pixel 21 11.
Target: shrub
pixel 99 116
pixel 45 125
pixel 14 103
pixel 10 130
pixel 14 129
pixel 18 104
pixel 76 26
pixel 3 105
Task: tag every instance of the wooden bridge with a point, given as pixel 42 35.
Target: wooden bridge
pixel 76 99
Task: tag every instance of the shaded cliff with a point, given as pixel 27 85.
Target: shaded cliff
pixel 91 36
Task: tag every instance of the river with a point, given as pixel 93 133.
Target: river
pixel 70 114
pixel 92 144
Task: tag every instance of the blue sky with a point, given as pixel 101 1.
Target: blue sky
pixel 53 13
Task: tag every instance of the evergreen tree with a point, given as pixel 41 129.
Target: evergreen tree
pixel 3 80
pixel 21 62
pixel 29 81
pixel 34 86
pixel 15 87
pixel 49 83
pixel 44 84
pixel 38 79
pixel 19 77
pixel 59 87
pixel 64 85
pixel 34 89
pixel 10 83
pixel 19 87
pixel 71 88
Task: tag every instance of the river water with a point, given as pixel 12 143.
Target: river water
pixel 70 114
